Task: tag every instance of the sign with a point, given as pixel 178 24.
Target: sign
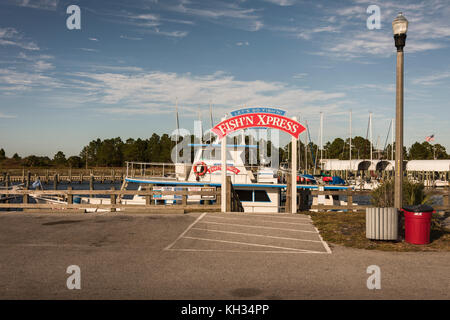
pixel 218 168
pixel 258 120
pixel 258 110
pixel 208 189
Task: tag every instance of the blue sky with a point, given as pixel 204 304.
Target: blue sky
pixel 121 74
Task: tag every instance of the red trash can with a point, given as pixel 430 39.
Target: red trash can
pixel 417 223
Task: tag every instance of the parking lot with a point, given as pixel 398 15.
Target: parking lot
pixel 251 233
pixel 200 256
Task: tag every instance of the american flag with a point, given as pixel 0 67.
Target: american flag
pixel 430 138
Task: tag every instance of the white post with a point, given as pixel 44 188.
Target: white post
pixel 223 193
pixel 294 173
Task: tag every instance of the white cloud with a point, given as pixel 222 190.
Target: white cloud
pixel 242 43
pixel 93 39
pixel 12 80
pixel 36 4
pixel 12 37
pixel 153 92
pixel 89 49
pixel 130 38
pixel 432 80
pixel 7 116
pixel 222 12
pixel 300 75
pixel 282 3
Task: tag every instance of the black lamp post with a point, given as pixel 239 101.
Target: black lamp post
pixel 399 28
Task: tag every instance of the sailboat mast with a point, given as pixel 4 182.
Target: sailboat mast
pixel 370 135
pixel 321 138
pixel 177 124
pixel 392 139
pixel 350 151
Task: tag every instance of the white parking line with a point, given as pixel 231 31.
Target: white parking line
pixel 261 227
pixel 248 244
pixel 255 235
pixel 323 242
pixel 185 231
pixel 294 223
pixel 245 251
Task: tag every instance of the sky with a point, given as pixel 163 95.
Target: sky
pixel 121 74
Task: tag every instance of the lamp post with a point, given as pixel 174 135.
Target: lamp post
pixel 399 28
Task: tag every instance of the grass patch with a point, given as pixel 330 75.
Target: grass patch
pixel 349 229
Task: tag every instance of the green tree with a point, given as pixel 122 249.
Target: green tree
pixel 2 154
pixel 75 162
pixel 60 159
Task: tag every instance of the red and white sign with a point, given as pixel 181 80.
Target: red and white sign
pixel 255 120
pixel 218 168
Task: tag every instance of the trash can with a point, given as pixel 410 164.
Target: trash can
pixel 417 223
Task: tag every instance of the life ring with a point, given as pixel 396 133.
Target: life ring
pixel 203 167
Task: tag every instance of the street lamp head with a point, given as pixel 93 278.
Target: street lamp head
pixel 399 28
pixel 400 24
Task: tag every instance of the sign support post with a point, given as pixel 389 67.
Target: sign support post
pixel 294 173
pixel 223 189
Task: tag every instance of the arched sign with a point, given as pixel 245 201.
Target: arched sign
pixel 258 120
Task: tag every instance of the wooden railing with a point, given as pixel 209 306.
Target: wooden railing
pixel 304 196
pixel 114 203
pixel 209 196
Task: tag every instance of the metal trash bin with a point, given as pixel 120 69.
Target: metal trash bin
pixel 418 223
pixel 382 223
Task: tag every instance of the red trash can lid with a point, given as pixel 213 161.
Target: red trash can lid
pixel 418 208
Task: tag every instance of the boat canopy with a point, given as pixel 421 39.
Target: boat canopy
pixel 428 165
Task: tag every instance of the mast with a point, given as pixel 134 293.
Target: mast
pixel 370 135
pixel 392 139
pixel 306 148
pixel 350 151
pixel 321 138
pixel 178 128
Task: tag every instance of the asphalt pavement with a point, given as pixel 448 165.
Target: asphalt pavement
pixel 201 256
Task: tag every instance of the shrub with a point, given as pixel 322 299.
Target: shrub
pixel 413 193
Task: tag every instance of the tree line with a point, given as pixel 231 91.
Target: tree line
pixel 115 152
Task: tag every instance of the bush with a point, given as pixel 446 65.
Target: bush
pixel 413 193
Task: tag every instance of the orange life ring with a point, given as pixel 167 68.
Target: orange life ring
pixel 204 169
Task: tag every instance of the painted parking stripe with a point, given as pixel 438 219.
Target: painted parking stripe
pixel 255 235
pixel 245 251
pixel 269 221
pixel 260 227
pixel 323 242
pixel 247 244
pixel 185 231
